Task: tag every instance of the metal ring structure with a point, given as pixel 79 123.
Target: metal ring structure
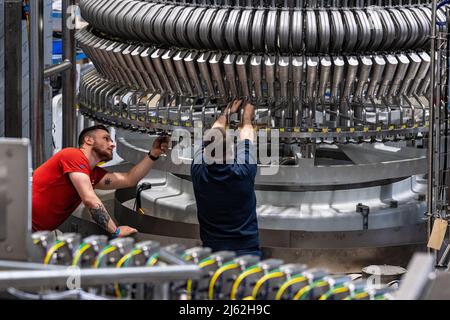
pixel 153 69
pixel 341 85
pixel 267 28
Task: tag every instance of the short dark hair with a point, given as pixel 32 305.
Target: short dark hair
pixel 87 131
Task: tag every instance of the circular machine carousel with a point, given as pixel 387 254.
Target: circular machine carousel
pixel 340 90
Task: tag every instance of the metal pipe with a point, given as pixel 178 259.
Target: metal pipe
pixel 324 77
pixel 229 66
pixel 297 76
pixel 269 63
pixel 68 77
pixel 168 257
pixel 283 76
pixel 181 70
pixel 256 63
pixel 375 78
pixel 241 68
pixel 57 68
pixel 37 81
pixel 32 279
pixel 217 76
pixel 421 73
pixel 422 106
pixel 413 109
pixel 430 182
pixel 363 76
pixel 20 265
pixel 13 68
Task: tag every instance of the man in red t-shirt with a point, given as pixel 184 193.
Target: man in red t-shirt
pixel 70 176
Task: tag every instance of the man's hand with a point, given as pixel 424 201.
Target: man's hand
pixel 231 108
pixel 249 111
pixel 160 145
pixel 126 231
pixel 246 131
pixel 235 105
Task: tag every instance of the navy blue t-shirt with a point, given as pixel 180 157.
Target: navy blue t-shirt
pixel 226 200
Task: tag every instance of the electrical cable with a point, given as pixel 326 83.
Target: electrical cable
pixel 242 276
pixel 287 284
pixel 333 291
pixel 124 260
pixel 260 282
pixel 52 250
pixel 108 249
pixel 204 263
pixel 189 289
pixel 137 202
pixel 217 274
pixel 130 255
pixel 301 294
pixel 81 249
pixel 380 297
pixel 152 260
pixel 360 295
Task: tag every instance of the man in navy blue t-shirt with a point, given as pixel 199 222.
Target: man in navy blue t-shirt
pixel 224 181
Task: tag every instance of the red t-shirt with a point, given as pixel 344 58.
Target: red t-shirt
pixel 54 195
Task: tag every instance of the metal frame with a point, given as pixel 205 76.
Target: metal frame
pixel 379 116
pixel 431 135
pixel 13 68
pixel 38 73
pixel 161 123
pixel 68 77
pixel 438 137
pixel 37 81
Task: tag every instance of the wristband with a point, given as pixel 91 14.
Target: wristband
pixel 152 157
pixel 116 233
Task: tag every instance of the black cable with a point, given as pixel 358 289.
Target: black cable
pixel 142 187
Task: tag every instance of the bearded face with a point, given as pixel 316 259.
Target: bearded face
pixel 104 154
pixel 103 146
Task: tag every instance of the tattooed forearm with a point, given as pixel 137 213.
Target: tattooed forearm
pixel 100 215
pixel 107 181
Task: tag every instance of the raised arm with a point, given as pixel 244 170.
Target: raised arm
pixel 231 108
pixel 119 180
pixel 247 131
pixel 99 214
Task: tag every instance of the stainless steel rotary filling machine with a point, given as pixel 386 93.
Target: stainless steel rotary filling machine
pixel 343 86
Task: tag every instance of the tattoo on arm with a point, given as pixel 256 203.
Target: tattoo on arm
pixel 100 216
pixel 107 181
